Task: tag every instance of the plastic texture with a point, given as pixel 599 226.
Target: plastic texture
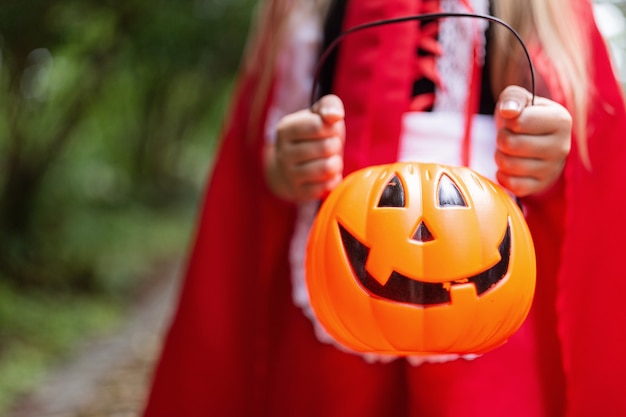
pixel 413 258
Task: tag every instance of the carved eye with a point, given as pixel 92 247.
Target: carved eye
pixel 393 194
pixel 449 193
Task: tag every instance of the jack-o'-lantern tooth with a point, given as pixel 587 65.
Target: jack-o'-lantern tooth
pixel 423 234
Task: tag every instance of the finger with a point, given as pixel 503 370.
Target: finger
pixel 305 151
pixel 317 190
pixel 303 125
pixel 519 186
pixel 330 108
pixel 523 167
pixel 545 117
pixel 532 146
pixel 512 101
pixel 318 170
pixel 316 178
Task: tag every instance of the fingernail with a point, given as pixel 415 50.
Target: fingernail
pixel 510 105
pixel 330 114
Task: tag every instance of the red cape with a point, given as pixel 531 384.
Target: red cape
pixel 239 347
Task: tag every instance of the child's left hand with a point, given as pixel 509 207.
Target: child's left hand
pixel 533 141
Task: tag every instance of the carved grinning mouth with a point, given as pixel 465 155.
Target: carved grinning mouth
pixel 407 290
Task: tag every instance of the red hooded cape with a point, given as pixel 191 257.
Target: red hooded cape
pixel 238 346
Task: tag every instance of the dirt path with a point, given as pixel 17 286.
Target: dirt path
pixel 109 377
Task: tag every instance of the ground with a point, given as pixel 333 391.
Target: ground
pixel 109 377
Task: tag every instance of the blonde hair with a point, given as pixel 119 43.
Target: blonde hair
pixel 548 26
pixel 265 39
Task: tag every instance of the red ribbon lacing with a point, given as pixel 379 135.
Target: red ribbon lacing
pixel 426 67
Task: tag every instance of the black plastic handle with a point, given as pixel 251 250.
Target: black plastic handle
pixel 427 16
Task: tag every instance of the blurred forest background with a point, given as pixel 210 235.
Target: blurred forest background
pixel 108 116
pixel 109 111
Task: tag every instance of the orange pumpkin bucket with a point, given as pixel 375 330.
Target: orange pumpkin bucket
pixel 420 258
pixel 413 258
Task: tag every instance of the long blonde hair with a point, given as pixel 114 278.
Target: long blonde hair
pixel 546 25
pixel 549 26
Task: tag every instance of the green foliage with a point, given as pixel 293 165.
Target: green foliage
pixel 109 111
pixel 105 107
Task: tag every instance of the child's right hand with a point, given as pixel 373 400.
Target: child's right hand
pixel 306 160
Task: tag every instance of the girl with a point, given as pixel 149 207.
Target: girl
pixel 243 341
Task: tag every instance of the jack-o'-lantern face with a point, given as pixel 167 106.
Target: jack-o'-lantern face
pixel 414 258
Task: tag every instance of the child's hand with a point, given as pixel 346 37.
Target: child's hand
pixel 533 141
pixel 306 161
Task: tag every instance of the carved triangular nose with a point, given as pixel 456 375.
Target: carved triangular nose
pixel 423 234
